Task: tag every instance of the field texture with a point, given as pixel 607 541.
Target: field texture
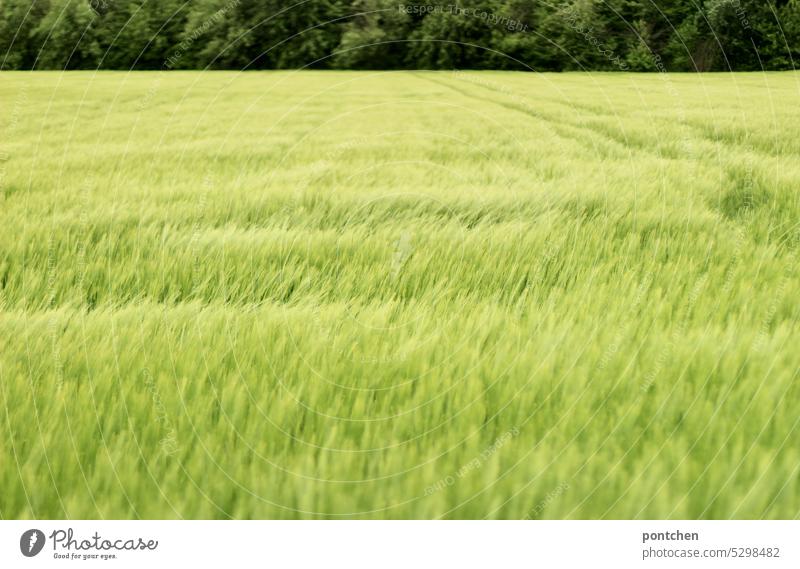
pixel 399 295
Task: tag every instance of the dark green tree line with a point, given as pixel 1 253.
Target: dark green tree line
pixel 636 35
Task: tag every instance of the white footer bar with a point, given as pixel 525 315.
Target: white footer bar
pixel 400 544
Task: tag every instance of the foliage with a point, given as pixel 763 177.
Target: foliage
pixel 641 35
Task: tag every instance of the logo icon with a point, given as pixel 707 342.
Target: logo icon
pixel 31 542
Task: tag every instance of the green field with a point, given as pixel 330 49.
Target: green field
pixel 399 295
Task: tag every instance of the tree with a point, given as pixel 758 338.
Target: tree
pixel 640 35
pixel 457 38
pixel 373 37
pixel 19 45
pixel 67 36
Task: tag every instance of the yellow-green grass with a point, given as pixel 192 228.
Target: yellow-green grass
pixel 399 295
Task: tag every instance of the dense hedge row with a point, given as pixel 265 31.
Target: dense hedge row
pixel 635 35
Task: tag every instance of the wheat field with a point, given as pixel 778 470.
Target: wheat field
pixel 399 295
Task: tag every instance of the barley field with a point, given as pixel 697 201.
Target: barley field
pixel 399 295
